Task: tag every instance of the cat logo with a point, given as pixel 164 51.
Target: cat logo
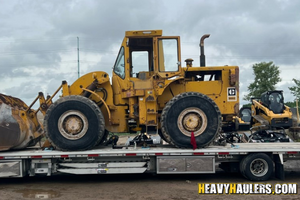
pixel 231 94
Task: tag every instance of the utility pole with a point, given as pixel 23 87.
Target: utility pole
pixel 78 56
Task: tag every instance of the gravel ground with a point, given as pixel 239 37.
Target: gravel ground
pixel 128 187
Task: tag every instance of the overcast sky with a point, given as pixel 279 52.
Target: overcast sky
pixel 38 39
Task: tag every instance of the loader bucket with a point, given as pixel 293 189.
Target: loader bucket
pixel 19 127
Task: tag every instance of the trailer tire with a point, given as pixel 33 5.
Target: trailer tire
pixel 74 123
pixel 191 112
pixel 257 167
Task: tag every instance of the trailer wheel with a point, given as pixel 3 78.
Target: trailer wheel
pixel 74 123
pixel 257 167
pixel 190 112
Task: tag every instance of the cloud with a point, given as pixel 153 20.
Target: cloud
pixel 38 39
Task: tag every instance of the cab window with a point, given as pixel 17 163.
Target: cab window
pixel 119 67
pixel 140 62
pixel 168 55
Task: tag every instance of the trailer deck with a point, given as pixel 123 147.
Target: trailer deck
pixel 235 149
pixel 254 158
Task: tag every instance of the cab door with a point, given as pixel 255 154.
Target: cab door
pixel 120 76
pixel 167 56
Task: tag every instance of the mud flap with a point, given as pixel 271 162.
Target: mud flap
pixel 279 167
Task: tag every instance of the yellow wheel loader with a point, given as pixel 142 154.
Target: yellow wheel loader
pixel 150 91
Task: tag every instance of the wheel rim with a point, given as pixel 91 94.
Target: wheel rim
pixel 192 120
pixel 73 124
pixel 259 167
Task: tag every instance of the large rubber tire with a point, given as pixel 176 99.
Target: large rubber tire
pixel 257 167
pixel 161 135
pixel 104 138
pixel 190 112
pixel 74 123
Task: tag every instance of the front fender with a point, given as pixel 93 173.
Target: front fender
pixel 86 80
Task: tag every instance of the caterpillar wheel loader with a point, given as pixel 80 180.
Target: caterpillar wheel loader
pixel 150 91
pixel 270 111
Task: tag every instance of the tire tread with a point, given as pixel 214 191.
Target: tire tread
pixel 93 106
pixel 169 106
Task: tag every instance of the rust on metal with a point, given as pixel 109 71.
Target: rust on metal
pixel 18 128
pixel 136 110
pixel 236 108
pixel 150 98
pixel 234 77
pixel 13 101
pixel 44 106
pixel 151 122
pixel 9 131
pixel 237 78
pixel 189 62
pixel 202 55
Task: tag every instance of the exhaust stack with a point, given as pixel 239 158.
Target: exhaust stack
pixel 202 56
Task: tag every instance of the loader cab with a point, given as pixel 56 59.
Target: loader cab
pixel 273 100
pixel 142 52
pixel 147 53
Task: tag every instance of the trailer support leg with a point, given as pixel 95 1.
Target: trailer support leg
pixel 279 168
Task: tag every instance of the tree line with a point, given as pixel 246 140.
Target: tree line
pixel 267 75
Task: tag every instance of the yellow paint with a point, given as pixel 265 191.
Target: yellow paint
pixel 268 114
pixel 143 98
